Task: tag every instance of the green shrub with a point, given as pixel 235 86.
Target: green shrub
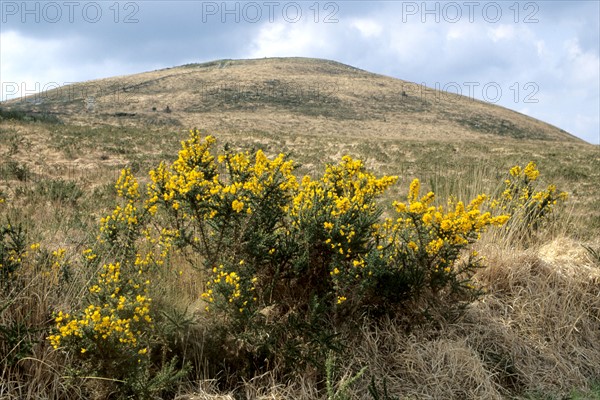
pixel 12 252
pixel 59 190
pixel 16 170
pixel 113 332
pixel 290 261
pixel 19 115
pixel 529 206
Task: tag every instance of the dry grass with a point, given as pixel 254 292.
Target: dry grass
pixel 535 332
pixel 548 301
pixel 534 335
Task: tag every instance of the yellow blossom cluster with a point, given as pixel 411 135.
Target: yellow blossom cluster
pixel 341 198
pixel 58 263
pixel 11 259
pixel 14 253
pixel 523 200
pixel 456 224
pixel 127 186
pixel 119 317
pixel 203 184
pixel 89 255
pixel 337 214
pixel 124 218
pixel 530 172
pixel 343 189
pixel 419 248
pixel 228 284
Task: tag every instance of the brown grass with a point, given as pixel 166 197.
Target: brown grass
pixel 535 332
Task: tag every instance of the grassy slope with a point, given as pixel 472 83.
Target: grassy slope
pixel 286 97
pixel 535 333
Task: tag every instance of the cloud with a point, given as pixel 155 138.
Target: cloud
pixel 30 65
pixel 502 32
pixel 368 28
pixel 281 39
pixel 583 65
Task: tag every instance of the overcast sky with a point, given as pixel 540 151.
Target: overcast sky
pixel 540 58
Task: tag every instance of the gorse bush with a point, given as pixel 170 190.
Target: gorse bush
pixel 13 250
pixel 423 252
pixel 28 274
pixel 289 259
pixel 113 334
pixel 529 204
pixel 289 264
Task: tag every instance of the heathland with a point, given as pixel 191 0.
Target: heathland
pixel 321 232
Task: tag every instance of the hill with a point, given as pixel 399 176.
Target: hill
pixel 316 110
pixel 285 96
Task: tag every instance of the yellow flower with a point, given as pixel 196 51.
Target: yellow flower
pixel 499 220
pixel 446 225
pixel 358 263
pixel 416 207
pixel 237 206
pixel 413 191
pixel 400 207
pixel 515 171
pixel 434 246
pixel 427 218
pixel 531 171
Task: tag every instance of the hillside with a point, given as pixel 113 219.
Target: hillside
pixel 316 110
pixel 284 96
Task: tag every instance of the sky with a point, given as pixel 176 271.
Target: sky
pixel 540 58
